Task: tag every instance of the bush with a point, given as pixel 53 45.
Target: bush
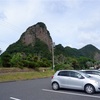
pixel 0 62
pixel 30 64
pixel 5 59
pixel 63 67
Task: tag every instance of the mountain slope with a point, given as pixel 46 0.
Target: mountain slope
pixel 89 51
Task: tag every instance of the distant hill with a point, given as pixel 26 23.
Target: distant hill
pixel 89 51
pixel 37 40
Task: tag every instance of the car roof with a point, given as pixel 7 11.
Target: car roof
pixel 70 70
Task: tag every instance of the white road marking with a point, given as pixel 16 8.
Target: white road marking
pixel 61 92
pixel 14 98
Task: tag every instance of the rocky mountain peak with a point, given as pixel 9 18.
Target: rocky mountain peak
pixel 37 31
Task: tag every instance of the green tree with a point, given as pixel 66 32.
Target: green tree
pixel 63 67
pixel 75 64
pixel 89 64
pixel 60 59
pixel 45 62
pixel 83 62
pixel 0 62
pixel 6 60
pixel 35 59
pixel 16 60
pixel 30 64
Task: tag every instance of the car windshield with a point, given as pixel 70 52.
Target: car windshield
pixel 94 72
pixel 86 75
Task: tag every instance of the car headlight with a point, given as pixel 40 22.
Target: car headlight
pixel 96 82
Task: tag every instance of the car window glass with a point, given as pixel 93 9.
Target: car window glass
pixel 93 72
pixel 63 73
pixel 75 75
pixel 96 72
pixel 89 72
pixel 72 74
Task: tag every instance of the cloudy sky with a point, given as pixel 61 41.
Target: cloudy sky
pixel 73 23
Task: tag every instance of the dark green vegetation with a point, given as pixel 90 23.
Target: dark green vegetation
pixel 19 55
pixel 71 58
pixel 87 51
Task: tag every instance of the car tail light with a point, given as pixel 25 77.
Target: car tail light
pixel 52 77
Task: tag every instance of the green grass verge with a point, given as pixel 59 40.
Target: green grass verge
pixel 25 75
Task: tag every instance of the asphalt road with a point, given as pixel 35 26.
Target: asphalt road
pixel 40 89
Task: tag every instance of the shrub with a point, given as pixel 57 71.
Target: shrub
pixel 63 67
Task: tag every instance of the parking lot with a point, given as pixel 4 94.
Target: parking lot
pixel 40 89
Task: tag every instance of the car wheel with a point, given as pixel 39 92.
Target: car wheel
pixel 55 86
pixel 89 89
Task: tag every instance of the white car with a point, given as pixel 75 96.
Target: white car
pixel 73 79
pixel 93 73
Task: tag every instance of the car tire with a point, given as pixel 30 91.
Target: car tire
pixel 89 89
pixel 55 86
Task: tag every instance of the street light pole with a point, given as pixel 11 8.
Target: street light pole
pixel 53 64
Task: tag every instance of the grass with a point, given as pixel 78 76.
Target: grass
pixel 15 76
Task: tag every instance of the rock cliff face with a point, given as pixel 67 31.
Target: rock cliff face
pixel 38 31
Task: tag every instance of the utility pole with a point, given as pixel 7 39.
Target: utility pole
pixel 53 64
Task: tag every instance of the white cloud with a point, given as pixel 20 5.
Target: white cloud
pixel 70 22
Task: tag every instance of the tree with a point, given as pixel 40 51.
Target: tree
pixel 89 64
pixel 16 60
pixel 60 59
pixel 0 62
pixel 75 64
pixel 62 66
pixel 6 60
pixel 83 62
